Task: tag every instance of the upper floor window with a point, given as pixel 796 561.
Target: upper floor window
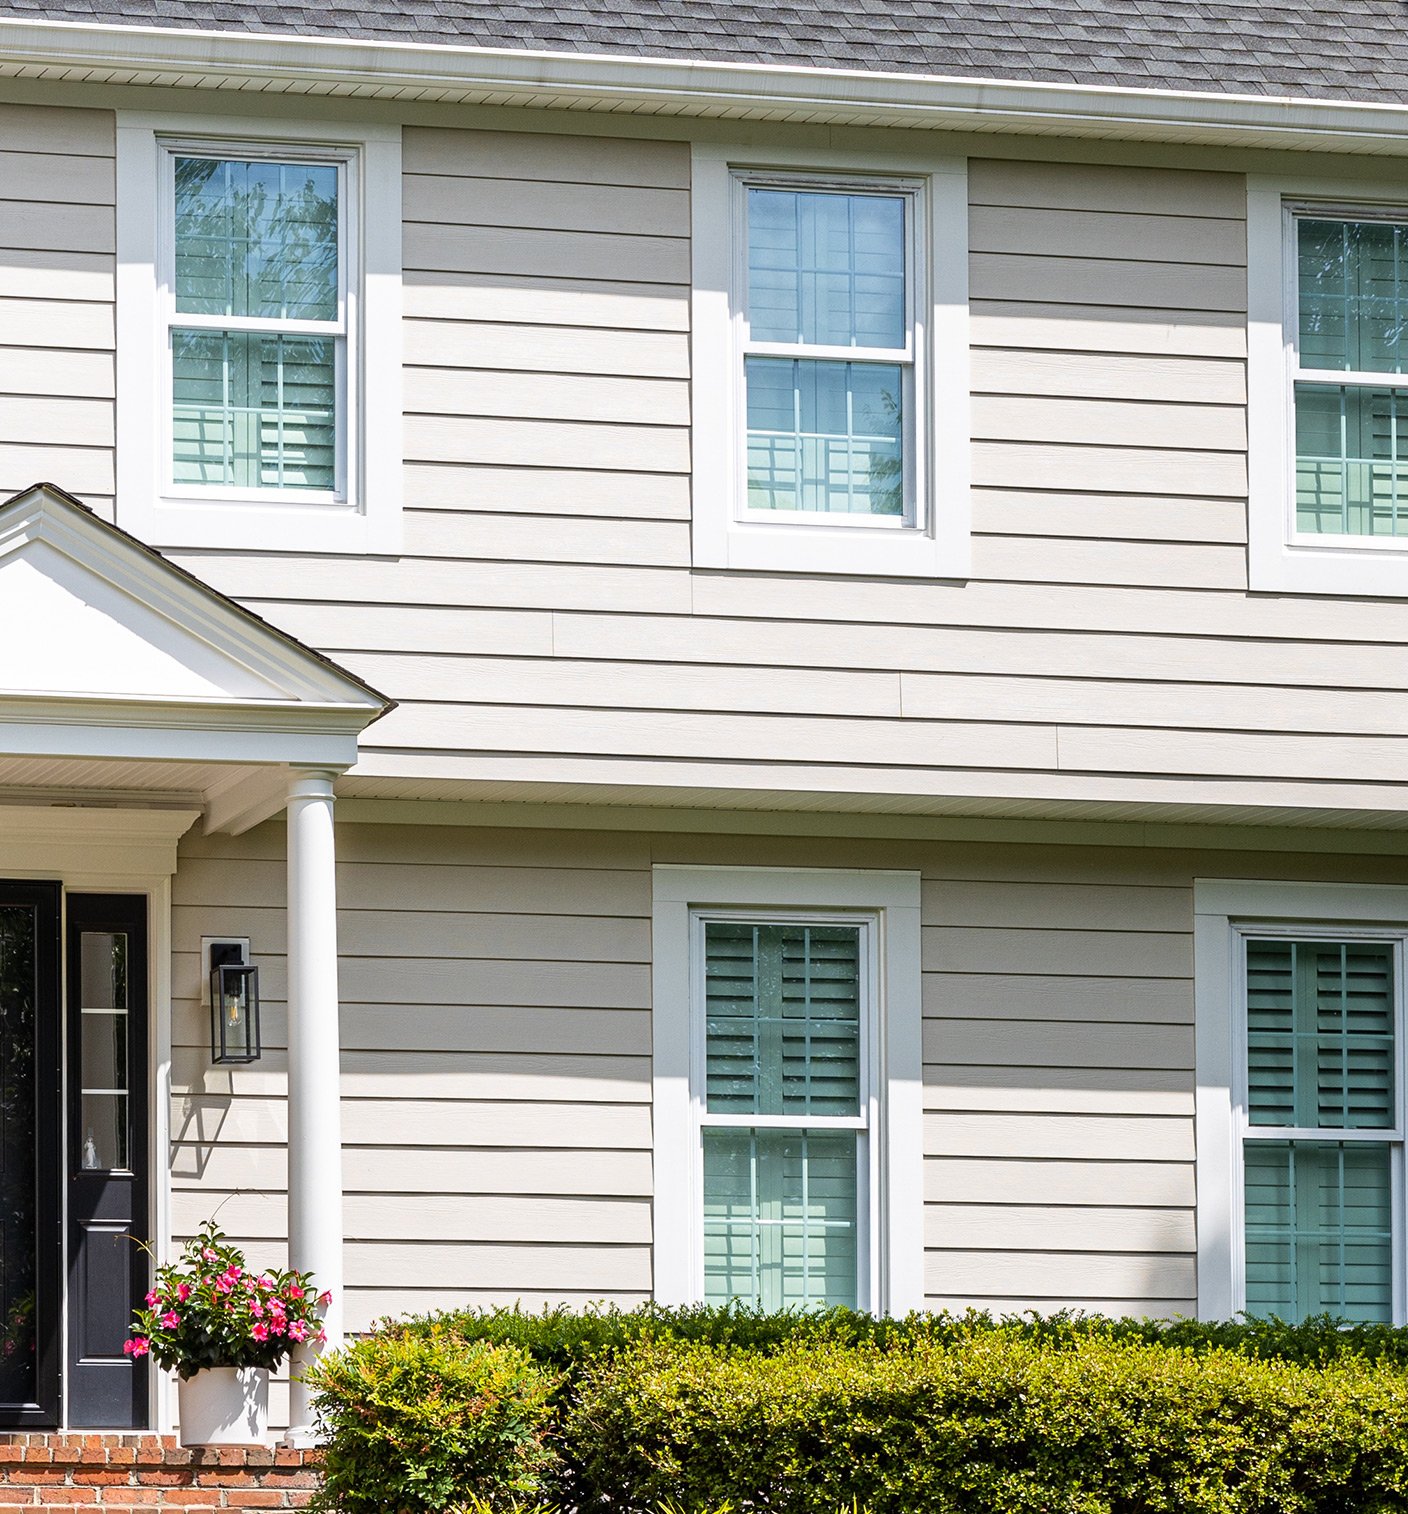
pixel 1327 389
pixel 828 353
pixel 1350 385
pixel 259 364
pixel 830 366
pixel 258 331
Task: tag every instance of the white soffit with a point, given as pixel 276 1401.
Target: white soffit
pixel 107 650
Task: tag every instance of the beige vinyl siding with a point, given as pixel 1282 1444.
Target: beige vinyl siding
pixel 57 229
pixel 496 1068
pixel 496 1072
pixel 544 625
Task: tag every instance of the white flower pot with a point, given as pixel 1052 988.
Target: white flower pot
pixel 225 1406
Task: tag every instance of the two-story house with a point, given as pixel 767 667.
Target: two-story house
pixel 843 570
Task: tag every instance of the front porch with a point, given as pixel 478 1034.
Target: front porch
pixel 135 1471
pixel 137 705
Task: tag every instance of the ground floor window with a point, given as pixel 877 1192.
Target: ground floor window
pixel 784 1100
pixel 1300 1118
pixel 788 1138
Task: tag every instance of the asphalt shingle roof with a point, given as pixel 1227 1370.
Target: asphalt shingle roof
pixel 1326 49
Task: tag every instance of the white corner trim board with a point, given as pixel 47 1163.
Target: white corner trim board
pixel 366 515
pixel 935 541
pixel 894 1277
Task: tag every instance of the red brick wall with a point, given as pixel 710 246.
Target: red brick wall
pixel 147 1472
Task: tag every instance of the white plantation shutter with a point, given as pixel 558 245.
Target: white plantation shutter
pixel 784 1012
pixel 1321 1057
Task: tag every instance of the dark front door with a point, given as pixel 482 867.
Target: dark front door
pixel 107 1157
pixel 30 1138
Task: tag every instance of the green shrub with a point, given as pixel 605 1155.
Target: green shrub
pixel 416 1423
pixel 999 1422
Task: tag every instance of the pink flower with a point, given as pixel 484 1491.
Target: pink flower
pixel 153 1298
pixel 183 1291
pixel 297 1331
pixel 171 1319
pixel 266 1281
pixel 210 1254
pixel 256 1308
pixel 294 1291
pixel 260 1333
pixel 138 1346
pixel 223 1285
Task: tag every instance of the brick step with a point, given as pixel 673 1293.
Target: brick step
pixel 71 1469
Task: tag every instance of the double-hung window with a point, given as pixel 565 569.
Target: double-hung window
pixel 257 325
pixel 1322 1125
pixel 785 1010
pixel 1300 1002
pixel 259 315
pixel 788 1104
pixel 830 340
pixel 1327 388
pixel 1350 382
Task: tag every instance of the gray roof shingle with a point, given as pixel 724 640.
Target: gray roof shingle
pixel 1326 49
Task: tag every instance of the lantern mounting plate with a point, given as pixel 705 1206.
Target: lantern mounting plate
pixel 218 951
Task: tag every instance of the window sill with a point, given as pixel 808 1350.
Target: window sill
pixel 1379 572
pixel 880 552
pixel 243 525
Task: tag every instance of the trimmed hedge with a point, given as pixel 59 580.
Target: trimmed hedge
pixel 731 1410
pixel 997 1424
pixel 565 1340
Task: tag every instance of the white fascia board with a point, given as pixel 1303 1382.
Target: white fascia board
pixel 39 726
pixel 416 71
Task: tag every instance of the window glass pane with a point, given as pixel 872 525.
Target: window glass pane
pixel 1351 460
pixel 825 268
pixel 1319 1230
pixel 256 239
pixel 780 1212
pixel 782 1018
pixel 1320 1034
pixel 825 436
pixel 102 1049
pixel 254 411
pixel 1353 279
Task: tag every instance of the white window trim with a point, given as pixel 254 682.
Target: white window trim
pixel 368 519
pixel 1279 558
pixel 895 1224
pixel 1226 911
pixel 727 536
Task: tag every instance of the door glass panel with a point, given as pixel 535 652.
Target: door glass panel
pixel 102 1070
pixel 18 1177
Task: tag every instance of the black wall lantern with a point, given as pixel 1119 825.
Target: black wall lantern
pixel 234 1004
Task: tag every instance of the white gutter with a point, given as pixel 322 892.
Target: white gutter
pixel 117 54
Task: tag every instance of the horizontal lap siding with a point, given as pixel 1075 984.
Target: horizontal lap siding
pixel 495 1070
pixel 544 623
pixel 1058 1069
pixel 57 229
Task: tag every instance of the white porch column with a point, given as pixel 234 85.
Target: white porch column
pixel 314 1065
